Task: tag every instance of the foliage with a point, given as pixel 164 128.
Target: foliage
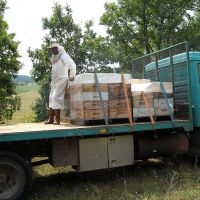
pixel 9 66
pixel 2 7
pixel 86 48
pixel 137 27
pixel 191 32
pixel 41 75
pixel 41 104
pixel 97 51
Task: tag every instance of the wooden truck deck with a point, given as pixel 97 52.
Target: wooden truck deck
pixel 34 131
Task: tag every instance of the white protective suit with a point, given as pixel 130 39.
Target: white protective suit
pixel 61 65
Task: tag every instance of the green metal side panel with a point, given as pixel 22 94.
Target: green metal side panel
pixel 184 91
pixel 96 131
pixel 171 65
pixel 195 84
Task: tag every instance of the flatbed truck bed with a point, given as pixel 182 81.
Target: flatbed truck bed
pixel 85 148
pixel 35 131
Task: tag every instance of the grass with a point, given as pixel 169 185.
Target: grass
pixel 25 114
pixel 154 181
pixel 26 88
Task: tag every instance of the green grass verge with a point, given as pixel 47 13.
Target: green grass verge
pixel 151 182
pixel 25 114
pixel 26 88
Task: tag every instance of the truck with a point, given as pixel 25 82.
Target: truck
pixel 107 146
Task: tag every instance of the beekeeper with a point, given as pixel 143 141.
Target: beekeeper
pixel 63 70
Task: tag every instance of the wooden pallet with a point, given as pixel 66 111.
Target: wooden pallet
pixel 156 119
pixel 98 122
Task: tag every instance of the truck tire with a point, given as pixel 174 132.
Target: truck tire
pixel 15 176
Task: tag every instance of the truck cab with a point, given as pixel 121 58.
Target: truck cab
pixel 194 67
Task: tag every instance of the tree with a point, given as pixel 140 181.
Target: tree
pixel 97 50
pixel 190 32
pixel 137 27
pixel 9 66
pixel 86 48
pixel 41 74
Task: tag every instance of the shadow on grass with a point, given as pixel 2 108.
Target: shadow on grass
pixel 145 180
pixel 102 184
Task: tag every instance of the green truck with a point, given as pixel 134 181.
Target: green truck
pixel 87 148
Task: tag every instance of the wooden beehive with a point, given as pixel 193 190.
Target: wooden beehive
pixel 117 107
pixel 85 104
pixel 154 95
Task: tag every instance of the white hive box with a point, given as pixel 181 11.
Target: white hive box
pixel 139 108
pixel 161 108
pixel 85 103
pixel 154 96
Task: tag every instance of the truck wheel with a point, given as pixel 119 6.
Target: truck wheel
pixel 15 176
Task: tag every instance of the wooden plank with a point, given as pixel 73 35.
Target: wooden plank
pixel 160 95
pixel 116 91
pixel 138 101
pixel 142 112
pixel 161 111
pixel 32 127
pixel 94 114
pixel 87 88
pixel 87 105
pixel 77 114
pixel 118 115
pixel 116 103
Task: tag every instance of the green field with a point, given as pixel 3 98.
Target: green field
pixel 152 181
pixel 28 95
pixel 26 88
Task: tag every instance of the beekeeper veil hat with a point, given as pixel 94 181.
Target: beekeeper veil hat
pixel 61 50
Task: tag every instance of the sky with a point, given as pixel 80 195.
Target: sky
pixel 24 19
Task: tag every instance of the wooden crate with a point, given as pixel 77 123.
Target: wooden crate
pixel 116 91
pixel 118 108
pixel 85 103
pixel 154 96
pixel 138 101
pixel 91 109
pixel 161 108
pixel 142 112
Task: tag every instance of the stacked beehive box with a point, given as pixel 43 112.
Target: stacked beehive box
pixel 160 105
pixel 85 103
pixel 154 96
pixel 139 108
pixel 117 108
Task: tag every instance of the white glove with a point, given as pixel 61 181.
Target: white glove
pixel 71 78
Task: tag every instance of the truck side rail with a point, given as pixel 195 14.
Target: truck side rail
pixel 169 65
